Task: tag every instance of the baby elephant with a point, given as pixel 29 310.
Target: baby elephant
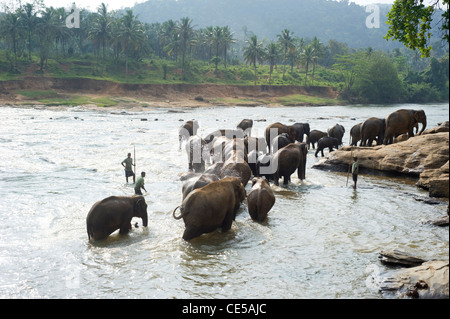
pixel 325 142
pixel 115 212
pixel 260 199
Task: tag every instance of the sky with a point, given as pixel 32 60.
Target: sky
pixel 92 5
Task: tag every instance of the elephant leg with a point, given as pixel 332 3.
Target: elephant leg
pixel 125 228
pixel 317 152
pixel 286 179
pixel 322 152
pixel 100 234
pixel 275 180
pixel 227 222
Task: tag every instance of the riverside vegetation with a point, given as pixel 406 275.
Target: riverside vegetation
pixel 117 46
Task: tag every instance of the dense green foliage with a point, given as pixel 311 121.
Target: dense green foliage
pixel 411 23
pixel 120 47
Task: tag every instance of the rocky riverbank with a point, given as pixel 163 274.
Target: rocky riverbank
pixel 425 157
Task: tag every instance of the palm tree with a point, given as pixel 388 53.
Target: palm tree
pixel 10 27
pixel 100 31
pixel 287 42
pixel 169 38
pixel 318 52
pixel 308 55
pixel 131 34
pixel 206 36
pixel 46 27
pixel 272 55
pixel 185 34
pixel 218 40
pixel 62 33
pixel 227 41
pixel 29 16
pixel 254 52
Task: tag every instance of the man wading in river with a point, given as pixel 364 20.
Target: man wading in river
pixel 355 169
pixel 140 184
pixel 128 164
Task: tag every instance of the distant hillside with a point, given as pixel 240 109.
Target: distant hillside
pixel 326 19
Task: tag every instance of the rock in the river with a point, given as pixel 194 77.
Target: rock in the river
pixel 429 280
pixel 425 156
pixel 399 258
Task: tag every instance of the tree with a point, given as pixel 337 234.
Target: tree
pixel 101 29
pixel 227 41
pixel 29 16
pixel 185 34
pixel 410 22
pixel 286 41
pixel 272 55
pixel 254 53
pixel 218 39
pixel 308 57
pixel 318 52
pixel 10 28
pixel 376 79
pixel 131 35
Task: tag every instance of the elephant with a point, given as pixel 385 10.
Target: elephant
pixel 196 152
pixel 260 199
pixel 264 166
pixel 336 131
pixel 115 212
pixel 300 130
pixel 255 143
pixel 239 169
pixel 229 133
pixel 288 159
pixel 355 134
pixel 325 142
pixel 403 121
pixel 252 159
pixel 188 129
pixel 314 137
pixel 214 169
pixel 281 141
pixel 245 125
pixel 198 182
pixel 371 129
pixel 210 207
pixel 279 129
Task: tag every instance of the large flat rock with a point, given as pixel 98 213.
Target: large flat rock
pixel 425 157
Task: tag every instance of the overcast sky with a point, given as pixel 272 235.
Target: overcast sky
pixel 118 4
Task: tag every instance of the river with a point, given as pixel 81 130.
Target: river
pixel 321 239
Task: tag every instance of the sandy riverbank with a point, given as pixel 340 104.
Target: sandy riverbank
pixel 53 91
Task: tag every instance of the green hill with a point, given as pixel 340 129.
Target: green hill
pixel 326 19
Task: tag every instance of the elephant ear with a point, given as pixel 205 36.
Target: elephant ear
pixel 139 205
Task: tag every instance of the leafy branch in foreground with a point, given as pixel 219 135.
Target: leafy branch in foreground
pixel 410 23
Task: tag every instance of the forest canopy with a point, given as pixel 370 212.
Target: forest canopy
pixel 121 46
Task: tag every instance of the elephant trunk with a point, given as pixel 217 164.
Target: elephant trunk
pixel 145 219
pixel 424 125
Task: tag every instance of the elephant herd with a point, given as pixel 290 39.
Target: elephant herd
pixel 212 194
pixel 384 130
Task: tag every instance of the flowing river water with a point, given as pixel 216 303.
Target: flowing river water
pixel 321 239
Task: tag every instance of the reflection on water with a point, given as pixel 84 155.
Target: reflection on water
pixel 321 239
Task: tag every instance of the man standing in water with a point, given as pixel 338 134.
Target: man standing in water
pixel 128 164
pixel 355 169
pixel 139 184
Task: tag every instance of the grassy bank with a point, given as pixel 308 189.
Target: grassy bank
pixel 161 71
